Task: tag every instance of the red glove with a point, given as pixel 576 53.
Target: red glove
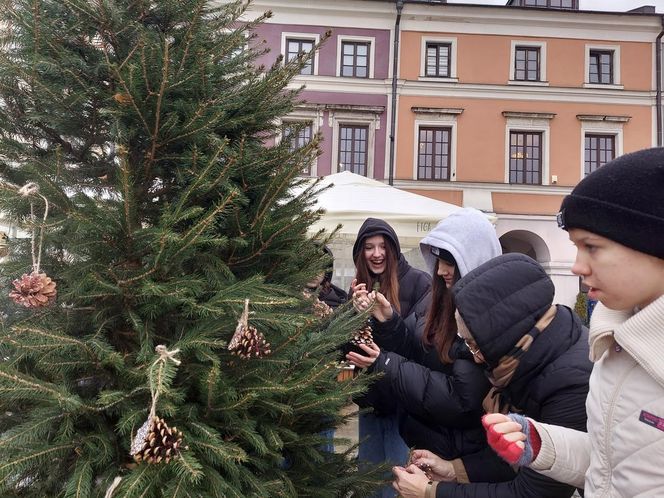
pixel 511 451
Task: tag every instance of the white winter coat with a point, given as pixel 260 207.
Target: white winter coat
pixel 622 455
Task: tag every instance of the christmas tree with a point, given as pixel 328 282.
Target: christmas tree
pixel 155 340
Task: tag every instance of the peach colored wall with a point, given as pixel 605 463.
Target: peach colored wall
pixel 481 135
pixel 451 196
pixel 565 59
pixel 506 203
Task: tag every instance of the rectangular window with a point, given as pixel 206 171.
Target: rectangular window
pixel 527 63
pixel 438 60
pixel 600 68
pixel 526 157
pixel 295 46
pixel 353 141
pixel 433 153
pixel 599 150
pixel 355 59
pixel 298 135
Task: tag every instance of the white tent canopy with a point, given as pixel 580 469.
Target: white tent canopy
pixel 354 198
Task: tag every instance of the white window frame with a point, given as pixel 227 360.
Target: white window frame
pixel 617 82
pixel 599 127
pixel 362 39
pixel 529 124
pixel 315 37
pixel 453 59
pixel 315 116
pixel 542 61
pixel 441 120
pixel 338 118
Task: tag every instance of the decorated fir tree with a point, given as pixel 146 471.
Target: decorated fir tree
pixel 155 340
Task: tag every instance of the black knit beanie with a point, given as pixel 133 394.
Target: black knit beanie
pixel 622 201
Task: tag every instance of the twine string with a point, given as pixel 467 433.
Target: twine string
pixel 111 488
pixel 164 356
pixel 27 190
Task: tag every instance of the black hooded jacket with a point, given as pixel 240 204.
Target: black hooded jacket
pixel 440 404
pixel 414 298
pixel 500 302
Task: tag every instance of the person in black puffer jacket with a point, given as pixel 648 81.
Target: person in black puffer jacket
pixel 537 359
pixel 378 259
pixel 437 385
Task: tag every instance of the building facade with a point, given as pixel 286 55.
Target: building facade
pixel 506 109
pixel 347 83
pixel 502 108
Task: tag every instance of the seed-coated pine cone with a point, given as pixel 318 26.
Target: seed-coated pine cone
pixel 34 290
pixel 252 343
pixel 155 442
pixel 321 309
pixel 362 336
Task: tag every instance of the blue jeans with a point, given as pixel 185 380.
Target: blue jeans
pixel 380 442
pixel 328 446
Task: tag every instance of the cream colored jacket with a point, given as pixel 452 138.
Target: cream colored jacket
pixel 622 455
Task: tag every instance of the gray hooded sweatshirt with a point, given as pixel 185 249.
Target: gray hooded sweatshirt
pixel 468 235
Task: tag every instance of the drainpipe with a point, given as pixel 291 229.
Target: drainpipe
pixel 658 81
pixel 395 70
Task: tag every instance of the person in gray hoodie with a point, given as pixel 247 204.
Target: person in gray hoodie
pixel 437 386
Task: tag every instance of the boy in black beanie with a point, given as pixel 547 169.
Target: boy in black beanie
pixel 615 217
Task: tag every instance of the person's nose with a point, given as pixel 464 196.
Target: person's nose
pixel 580 267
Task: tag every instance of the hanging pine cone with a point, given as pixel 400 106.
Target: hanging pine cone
pixel 155 442
pixel 34 290
pixel 321 309
pixel 362 336
pixel 252 343
pixel 247 341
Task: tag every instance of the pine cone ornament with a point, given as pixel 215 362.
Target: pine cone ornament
pixel 155 442
pixel 252 343
pixel 321 309
pixel 247 341
pixel 362 336
pixel 34 290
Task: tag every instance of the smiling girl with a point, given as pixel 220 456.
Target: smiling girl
pixel 378 260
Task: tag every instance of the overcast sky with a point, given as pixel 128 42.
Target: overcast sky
pixel 620 5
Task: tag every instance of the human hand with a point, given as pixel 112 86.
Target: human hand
pixel 437 468
pixel 382 310
pixel 362 361
pixel 410 482
pixel 362 300
pixel 506 436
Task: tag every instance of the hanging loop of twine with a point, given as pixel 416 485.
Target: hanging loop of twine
pixel 164 356
pixel 27 190
pixel 111 488
pixel 245 314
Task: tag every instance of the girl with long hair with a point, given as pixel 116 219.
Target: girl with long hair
pixel 380 264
